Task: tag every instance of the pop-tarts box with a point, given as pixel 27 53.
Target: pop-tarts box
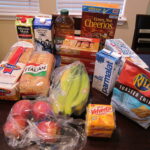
pixel 107 68
pixel 119 46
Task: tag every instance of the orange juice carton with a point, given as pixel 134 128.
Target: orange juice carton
pixel 107 68
pixel 100 120
pixel 119 46
pixel 76 46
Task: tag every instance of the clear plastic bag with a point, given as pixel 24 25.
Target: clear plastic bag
pixel 33 124
pixel 35 79
pixel 69 89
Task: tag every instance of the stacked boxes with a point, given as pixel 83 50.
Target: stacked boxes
pixel 100 120
pixel 107 67
pixel 119 46
pixel 82 49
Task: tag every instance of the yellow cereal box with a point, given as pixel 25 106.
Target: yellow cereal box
pixel 100 120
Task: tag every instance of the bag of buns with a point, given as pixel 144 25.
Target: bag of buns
pixel 35 79
pixel 11 69
pixel 15 61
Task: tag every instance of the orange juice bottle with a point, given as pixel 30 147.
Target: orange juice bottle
pixel 63 25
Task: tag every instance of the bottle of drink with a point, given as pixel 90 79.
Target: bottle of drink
pixel 63 25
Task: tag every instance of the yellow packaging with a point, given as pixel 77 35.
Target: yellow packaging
pixel 100 120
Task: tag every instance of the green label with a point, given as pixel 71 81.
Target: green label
pixel 36 70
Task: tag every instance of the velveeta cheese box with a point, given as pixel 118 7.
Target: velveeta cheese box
pixel 100 120
pixel 119 46
pixel 83 47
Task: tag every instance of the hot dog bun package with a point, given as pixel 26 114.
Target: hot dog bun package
pixel 12 67
pixel 35 79
pixel 131 95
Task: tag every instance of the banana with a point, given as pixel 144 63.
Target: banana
pixel 73 91
pixel 83 94
pixel 62 90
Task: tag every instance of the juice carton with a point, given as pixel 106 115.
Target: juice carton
pixel 107 67
pixel 119 46
pixel 100 120
pixel 43 33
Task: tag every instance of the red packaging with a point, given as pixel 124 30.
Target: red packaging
pixel 76 46
pixel 131 95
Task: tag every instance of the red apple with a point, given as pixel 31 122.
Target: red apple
pixel 22 108
pixel 47 131
pixel 41 110
pixel 14 127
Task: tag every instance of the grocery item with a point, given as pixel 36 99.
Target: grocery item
pixel 9 91
pixel 23 130
pixel 69 60
pixel 99 20
pixel 119 46
pixel 42 26
pixel 100 120
pixel 13 64
pixel 69 89
pixel 24 27
pixel 131 95
pixel 35 79
pixel 63 25
pixel 107 67
pixel 81 47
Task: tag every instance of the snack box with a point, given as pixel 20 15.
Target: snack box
pixel 119 46
pixel 100 120
pixel 69 59
pixel 76 46
pixel 107 67
pixel 90 70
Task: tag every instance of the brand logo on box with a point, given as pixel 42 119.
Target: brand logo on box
pixel 142 82
pixel 108 71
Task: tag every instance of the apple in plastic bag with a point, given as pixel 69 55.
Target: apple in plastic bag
pixel 48 130
pixel 14 127
pixel 41 110
pixel 22 108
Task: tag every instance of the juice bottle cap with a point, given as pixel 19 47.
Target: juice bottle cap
pixel 64 12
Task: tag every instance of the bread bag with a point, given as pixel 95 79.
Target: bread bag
pixel 35 79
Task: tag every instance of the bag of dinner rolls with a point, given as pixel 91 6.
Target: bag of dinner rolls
pixel 35 79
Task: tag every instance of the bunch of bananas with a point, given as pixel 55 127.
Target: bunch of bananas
pixel 71 92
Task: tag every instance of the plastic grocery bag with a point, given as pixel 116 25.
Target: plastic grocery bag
pixel 69 90
pixel 33 123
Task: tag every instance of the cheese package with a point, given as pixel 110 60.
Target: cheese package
pixel 119 46
pixel 35 79
pixel 13 65
pixel 80 47
pixel 100 120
